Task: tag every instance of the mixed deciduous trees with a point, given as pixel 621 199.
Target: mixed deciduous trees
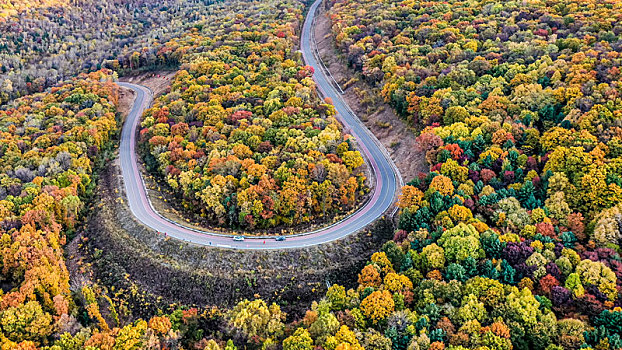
pixel 49 144
pixel 242 138
pixel 512 239
pixel 46 41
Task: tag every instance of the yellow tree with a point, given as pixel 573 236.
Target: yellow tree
pixel 256 318
pixel 343 339
pixel 378 306
pixel 300 340
pixel 410 198
pixel 443 185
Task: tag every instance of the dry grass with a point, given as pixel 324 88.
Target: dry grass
pixel 132 256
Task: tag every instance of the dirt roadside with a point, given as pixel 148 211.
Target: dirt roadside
pixel 126 99
pixel 158 82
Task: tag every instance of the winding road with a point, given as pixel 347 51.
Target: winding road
pixel 385 174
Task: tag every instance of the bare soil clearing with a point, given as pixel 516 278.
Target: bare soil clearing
pixel 158 82
pixel 378 116
pixel 126 99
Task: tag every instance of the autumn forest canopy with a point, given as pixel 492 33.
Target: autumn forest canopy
pixel 243 137
pixel 510 240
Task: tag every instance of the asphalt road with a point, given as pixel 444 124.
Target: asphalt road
pixel 386 176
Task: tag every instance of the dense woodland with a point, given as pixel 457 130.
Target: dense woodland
pixel 243 138
pixel 46 41
pixel 242 126
pixel 512 240
pixel 50 144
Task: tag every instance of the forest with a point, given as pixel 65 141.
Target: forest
pixel 46 41
pixel 51 142
pixel 510 241
pixel 244 139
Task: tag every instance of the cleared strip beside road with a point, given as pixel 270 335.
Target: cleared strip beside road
pixel 387 180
